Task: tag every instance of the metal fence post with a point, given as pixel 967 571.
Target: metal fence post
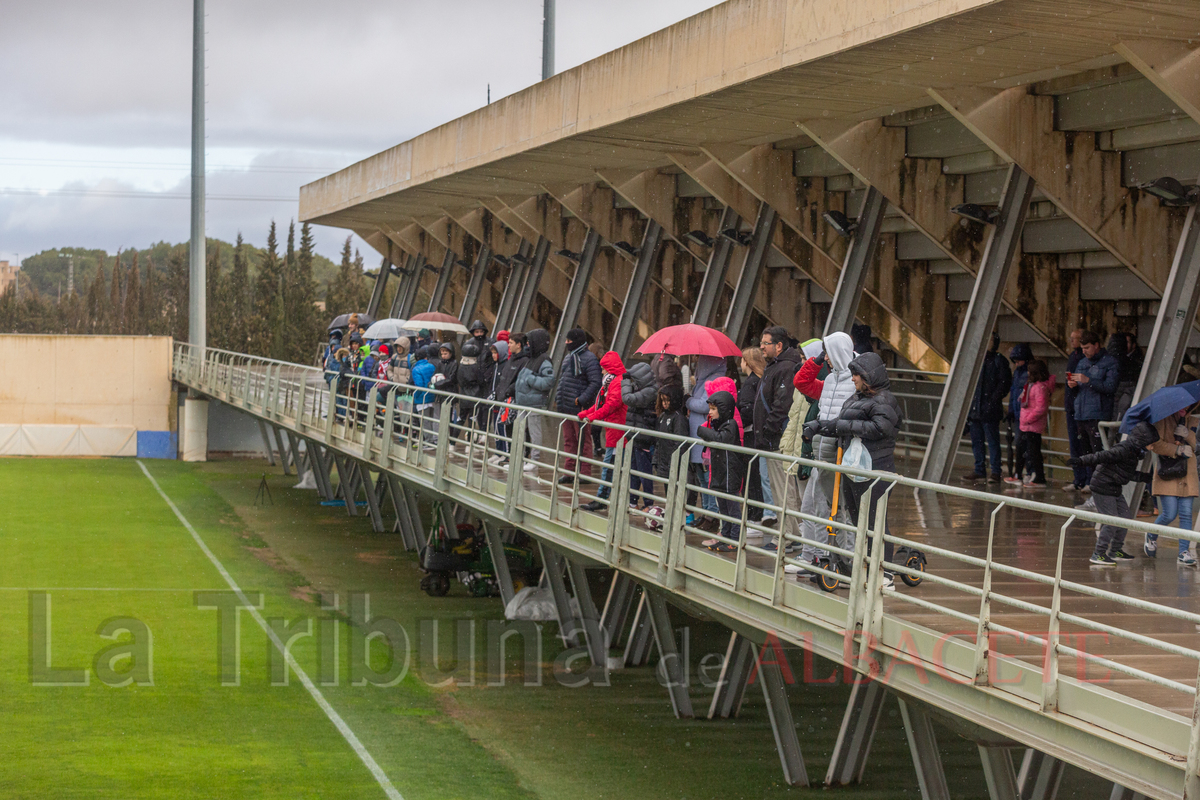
pixel 983 631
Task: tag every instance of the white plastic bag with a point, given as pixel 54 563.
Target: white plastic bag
pixel 532 603
pixel 857 457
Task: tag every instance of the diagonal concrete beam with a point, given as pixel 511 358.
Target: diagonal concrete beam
pixel 733 186
pixel 1083 181
pixel 653 193
pixel 920 191
pixel 1171 66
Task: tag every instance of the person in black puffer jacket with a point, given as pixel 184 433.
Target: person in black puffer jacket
pixel 872 415
pixel 1115 467
pixel 673 419
pixel 638 392
pixel 728 468
pixel 474 380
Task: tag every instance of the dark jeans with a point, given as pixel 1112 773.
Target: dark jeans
pixel 1018 445
pixel 854 492
pixel 755 489
pixel 1073 444
pixel 730 508
pixel 1033 455
pixel 1111 537
pixel 989 431
pixel 1089 442
pixel 643 461
pixel 606 473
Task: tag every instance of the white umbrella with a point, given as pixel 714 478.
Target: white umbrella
pixel 386 329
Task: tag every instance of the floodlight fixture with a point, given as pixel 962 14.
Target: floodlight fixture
pixel 698 237
pixel 988 215
pixel 1170 192
pixel 841 224
pixel 744 238
pixel 502 260
pixel 462 262
pixel 570 255
pixel 520 259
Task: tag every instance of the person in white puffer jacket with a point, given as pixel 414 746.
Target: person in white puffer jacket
pixel 830 394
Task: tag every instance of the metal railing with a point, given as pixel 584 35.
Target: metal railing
pixel 453 444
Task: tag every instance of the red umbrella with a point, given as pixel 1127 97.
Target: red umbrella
pixel 690 340
pixel 436 321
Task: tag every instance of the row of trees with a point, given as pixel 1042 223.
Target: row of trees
pixel 272 311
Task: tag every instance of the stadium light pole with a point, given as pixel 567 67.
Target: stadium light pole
pixel 195 407
pixel 196 272
pixel 547 39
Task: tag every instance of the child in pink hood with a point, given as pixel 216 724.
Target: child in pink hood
pixel 1035 408
pixel 724 384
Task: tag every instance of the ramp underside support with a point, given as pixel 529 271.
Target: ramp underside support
pixel 621 595
pixel 668 653
pixel 782 724
pixel 1039 776
pixel 637 647
pixel 999 773
pixel 731 685
pixel 569 627
pixel 853 745
pixel 597 642
pixel 922 742
pixel 499 560
pixel 370 491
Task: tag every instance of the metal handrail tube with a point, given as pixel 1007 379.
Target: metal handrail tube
pixel 1132 672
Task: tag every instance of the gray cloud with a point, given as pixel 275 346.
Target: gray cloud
pixel 307 81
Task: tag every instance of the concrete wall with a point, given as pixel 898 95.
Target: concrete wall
pixel 86 395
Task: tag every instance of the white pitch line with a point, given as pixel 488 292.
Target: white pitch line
pixel 351 739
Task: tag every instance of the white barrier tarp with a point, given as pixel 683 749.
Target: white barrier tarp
pixel 68 440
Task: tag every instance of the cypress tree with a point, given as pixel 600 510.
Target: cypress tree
pixel 216 315
pixel 268 301
pixel 116 313
pixel 240 303
pixel 177 294
pixel 134 323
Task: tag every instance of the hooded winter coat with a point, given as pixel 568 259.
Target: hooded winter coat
pixel 673 420
pixel 497 367
pixel 872 415
pixel 747 396
pixel 803 409
pixel 422 373
pixel 400 367
pixel 1035 405
pixel 994 382
pixel 830 392
pixel 724 384
pixel 666 372
pixel 536 377
pixel 578 382
pixel 639 393
pixel 474 374
pixel 609 406
pixel 507 372
pixel 1118 465
pixel 707 368
pixel 1019 352
pixel 727 468
pixel 482 341
pixel 774 399
pixel 447 368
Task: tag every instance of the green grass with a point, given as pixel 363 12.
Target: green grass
pixel 73 524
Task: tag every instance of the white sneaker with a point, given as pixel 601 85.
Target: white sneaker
pixel 1186 559
pixel 494 460
pixel 1150 549
pixel 754 536
pixel 530 466
pixel 1087 505
pixel 889 581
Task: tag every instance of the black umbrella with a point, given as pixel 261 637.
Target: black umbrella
pixel 343 322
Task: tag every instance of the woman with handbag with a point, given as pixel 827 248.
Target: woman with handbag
pixel 1175 481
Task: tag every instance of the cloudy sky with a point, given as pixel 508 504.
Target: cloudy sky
pixel 95 105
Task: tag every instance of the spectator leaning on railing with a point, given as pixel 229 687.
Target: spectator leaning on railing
pixel 532 389
pixel 578 382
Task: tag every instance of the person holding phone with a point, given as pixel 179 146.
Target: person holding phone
pixel 1095 382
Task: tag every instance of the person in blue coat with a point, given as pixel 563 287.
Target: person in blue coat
pixel 422 374
pixel 1095 379
pixel 532 390
pixel 1020 355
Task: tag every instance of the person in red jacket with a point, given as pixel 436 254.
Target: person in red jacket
pixel 609 407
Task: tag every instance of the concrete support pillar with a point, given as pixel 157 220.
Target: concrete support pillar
pixel 475 286
pixel 631 308
pixel 407 275
pixel 371 491
pixel 671 661
pixel 782 724
pixel 385 270
pixel 443 281
pixel 533 278
pixel 262 429
pixel 853 746
pixel 637 647
pixel 575 295
pixel 927 759
pixel 998 256
pixel 414 286
pixel 195 429
pixel 512 289
pixel 716 272
pixel 746 290
pixel 731 685
pixel 859 259
pixel 569 627
pixel 1176 315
